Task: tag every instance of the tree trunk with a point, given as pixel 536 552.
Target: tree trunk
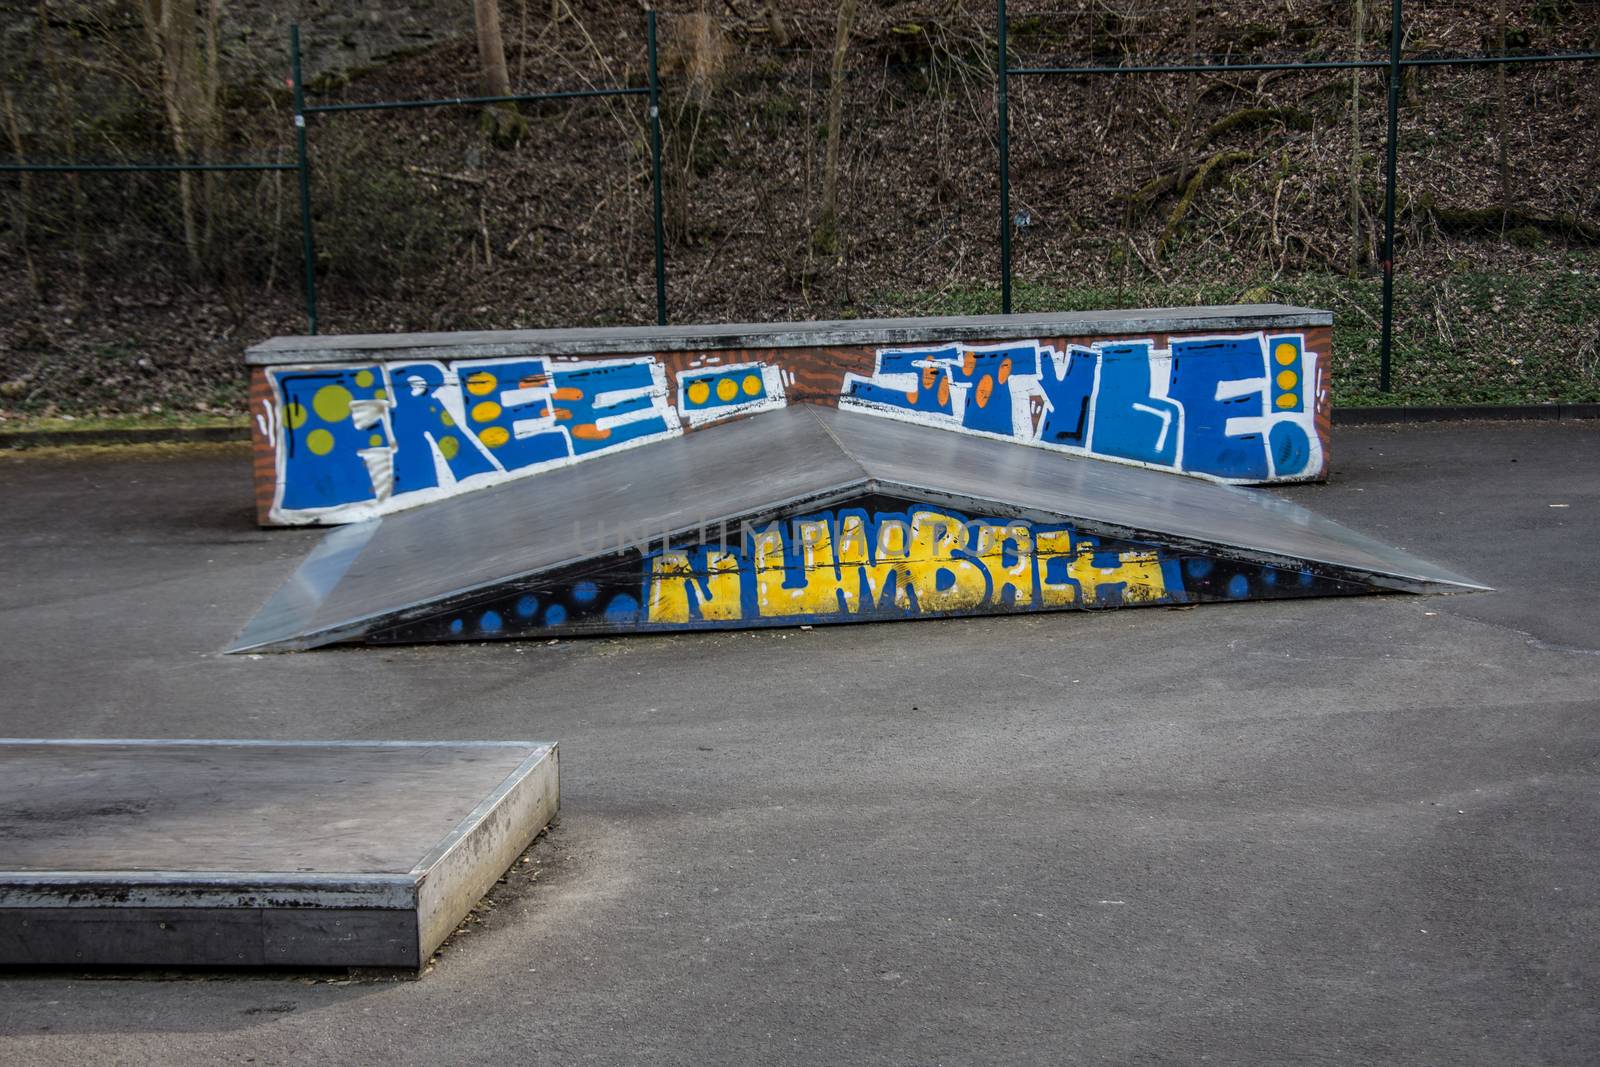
pixel 491 48
pixel 169 26
pixel 1357 234
pixel 67 116
pixel 1501 135
pixel 20 205
pixel 501 123
pixel 210 126
pixel 780 32
pixel 826 237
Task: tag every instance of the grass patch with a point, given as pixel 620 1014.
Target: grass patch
pixel 161 421
pixel 1472 337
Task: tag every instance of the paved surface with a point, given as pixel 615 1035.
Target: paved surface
pixel 1343 831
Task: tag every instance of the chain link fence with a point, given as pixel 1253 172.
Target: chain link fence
pixel 767 163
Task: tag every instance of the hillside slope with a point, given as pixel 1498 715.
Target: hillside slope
pixel 1126 191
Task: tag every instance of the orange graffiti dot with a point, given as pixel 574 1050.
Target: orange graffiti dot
pixel 699 392
pixel 984 389
pixel 751 384
pixel 911 398
pixel 1285 353
pixel 569 393
pixel 929 376
pixel 1287 379
pixel 727 389
pixel 561 414
pixel 969 362
pixel 944 392
pixel 590 432
pixel 1005 370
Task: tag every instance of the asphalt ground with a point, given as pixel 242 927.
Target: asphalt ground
pixel 1342 831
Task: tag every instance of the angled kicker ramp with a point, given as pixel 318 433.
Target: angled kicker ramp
pixel 811 514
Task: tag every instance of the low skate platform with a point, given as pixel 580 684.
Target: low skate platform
pixel 200 853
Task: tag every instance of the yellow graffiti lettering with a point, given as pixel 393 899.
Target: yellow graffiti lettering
pixel 990 547
pixel 935 563
pixel 1138 572
pixel 939 580
pixel 674 587
pixel 1049 545
pixel 818 593
pixel 867 571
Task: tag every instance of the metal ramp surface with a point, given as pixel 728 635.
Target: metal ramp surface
pixel 811 514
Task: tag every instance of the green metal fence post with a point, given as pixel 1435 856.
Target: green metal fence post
pixel 307 241
pixel 1005 172
pixel 1388 197
pixel 655 171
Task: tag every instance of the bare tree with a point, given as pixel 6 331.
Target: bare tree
pixel 1357 234
pixel 1501 136
pixel 19 205
pixel 491 48
pixel 189 83
pixel 826 236
pixel 501 123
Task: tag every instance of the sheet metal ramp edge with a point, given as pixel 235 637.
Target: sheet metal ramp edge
pixel 1445 582
pixel 353 538
pixel 246 889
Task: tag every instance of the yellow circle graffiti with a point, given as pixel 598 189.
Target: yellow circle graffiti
pixel 727 390
pixel 495 436
pixel 481 383
pixel 752 384
pixel 1288 379
pixel 320 442
pixel 1285 353
pixel 699 392
pixel 445 417
pixel 487 411
pixel 294 413
pixel 1288 400
pixel 364 378
pixel 449 446
pixel 332 403
pixel 375 440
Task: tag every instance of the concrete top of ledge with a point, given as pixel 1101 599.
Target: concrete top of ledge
pixel 588 341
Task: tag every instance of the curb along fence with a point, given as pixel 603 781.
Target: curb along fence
pixel 1393 67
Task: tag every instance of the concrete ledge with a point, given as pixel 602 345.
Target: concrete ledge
pixel 770 335
pixel 193 853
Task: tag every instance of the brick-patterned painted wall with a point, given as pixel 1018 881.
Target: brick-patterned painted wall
pixel 340 441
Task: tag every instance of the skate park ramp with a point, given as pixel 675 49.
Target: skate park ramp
pixel 809 515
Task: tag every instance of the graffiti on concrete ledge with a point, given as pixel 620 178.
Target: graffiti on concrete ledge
pixel 713 393
pixel 1230 407
pixel 350 439
pixel 882 560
